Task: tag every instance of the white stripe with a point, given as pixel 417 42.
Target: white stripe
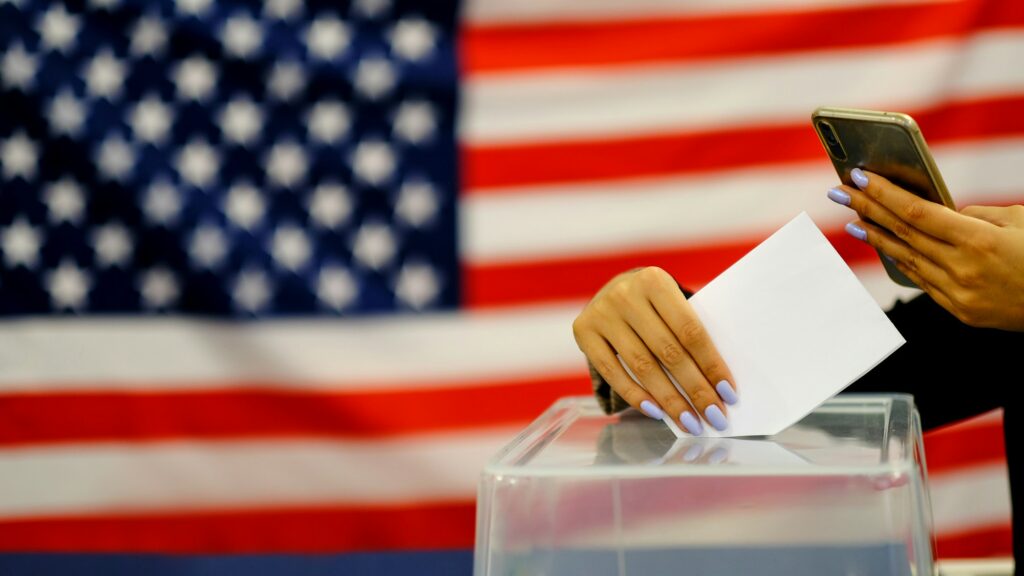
pixel 968 499
pixel 182 476
pixel 566 105
pixel 596 218
pixel 439 350
pixel 505 11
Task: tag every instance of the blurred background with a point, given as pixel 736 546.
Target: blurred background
pixel 280 276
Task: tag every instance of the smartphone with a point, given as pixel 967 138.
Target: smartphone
pixel 886 143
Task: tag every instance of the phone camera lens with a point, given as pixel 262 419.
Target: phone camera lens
pixel 828 134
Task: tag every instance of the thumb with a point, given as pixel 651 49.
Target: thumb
pixel 994 214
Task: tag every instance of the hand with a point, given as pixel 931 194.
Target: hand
pixel 643 316
pixel 970 262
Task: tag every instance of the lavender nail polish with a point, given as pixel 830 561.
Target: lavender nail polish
pixel 839 197
pixel 692 425
pixel 713 414
pixel 859 178
pixel 726 392
pixel 652 410
pixel 856 231
pixel 693 452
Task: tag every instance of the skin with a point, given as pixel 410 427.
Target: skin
pixel 970 262
pixel 643 316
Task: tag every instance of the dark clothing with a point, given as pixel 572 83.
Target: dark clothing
pixel 954 372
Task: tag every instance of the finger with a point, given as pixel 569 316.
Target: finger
pixel 603 359
pixel 684 323
pixel 642 364
pixel 997 215
pixel 931 218
pixel 675 358
pixel 900 251
pixel 868 209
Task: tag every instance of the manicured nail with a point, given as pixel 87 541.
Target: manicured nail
pixel 652 410
pixel 726 392
pixel 856 231
pixel 692 425
pixel 889 258
pixel 718 455
pixel 839 197
pixel 713 414
pixel 859 178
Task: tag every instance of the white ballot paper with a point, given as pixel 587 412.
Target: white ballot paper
pixel 795 327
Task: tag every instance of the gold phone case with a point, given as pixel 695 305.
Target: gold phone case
pixel 887 143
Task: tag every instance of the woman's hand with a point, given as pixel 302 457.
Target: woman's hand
pixel 643 316
pixel 970 262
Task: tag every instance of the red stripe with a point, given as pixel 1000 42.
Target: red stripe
pixel 955 448
pixel 92 416
pixel 560 279
pixel 493 168
pixel 488 49
pixel 323 529
pixel 988 542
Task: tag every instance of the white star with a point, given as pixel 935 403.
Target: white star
pixel 68 286
pixel 415 121
pixel 417 285
pixel 251 291
pixel 19 157
pixel 371 8
pixel 290 247
pixel 242 36
pixel 66 114
pixel 158 287
pixel 327 38
pixel 328 121
pixel 18 68
pixel 65 201
pixel 375 76
pixel 413 38
pixel 104 4
pixel 162 203
pixel 374 245
pixel 149 37
pixel 336 287
pixel 417 203
pixel 21 243
pixel 282 9
pixel 241 121
pixel 208 246
pixel 286 80
pixel 330 205
pixel 151 120
pixel 245 206
pixel 58 29
pixel 104 75
pixel 115 158
pixel 113 245
pixel 195 8
pixel 373 162
pixel 198 163
pixel 286 164
pixel 195 78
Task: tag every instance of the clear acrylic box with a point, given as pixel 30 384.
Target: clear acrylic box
pixel 578 492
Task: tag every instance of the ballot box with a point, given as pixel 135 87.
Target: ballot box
pixel 579 492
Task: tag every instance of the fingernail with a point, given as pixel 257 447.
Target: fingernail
pixel 652 410
pixel 890 259
pixel 718 455
pixel 859 177
pixel 692 425
pixel 839 197
pixel 693 452
pixel 856 231
pixel 727 393
pixel 713 414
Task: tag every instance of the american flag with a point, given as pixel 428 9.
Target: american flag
pixel 281 276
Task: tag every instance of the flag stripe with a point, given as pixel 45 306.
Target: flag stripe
pixel 983 542
pixel 440 525
pixel 502 169
pixel 568 105
pixel 99 416
pixel 534 46
pixel 956 506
